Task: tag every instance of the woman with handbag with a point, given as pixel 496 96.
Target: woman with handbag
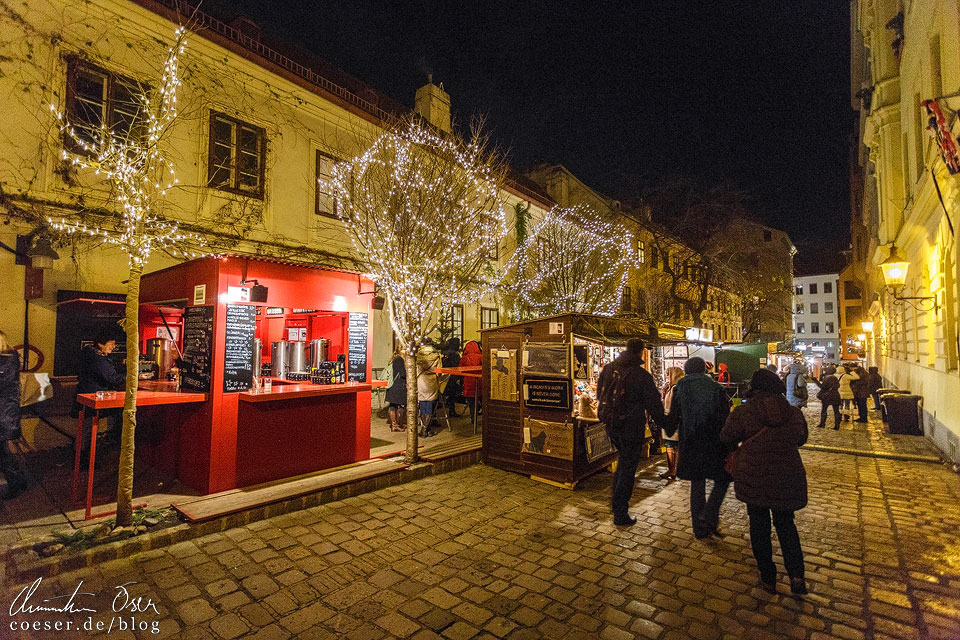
pixel 768 474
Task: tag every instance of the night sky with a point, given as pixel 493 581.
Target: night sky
pixel 754 95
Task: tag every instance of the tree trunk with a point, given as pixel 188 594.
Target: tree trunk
pixel 413 413
pixel 132 328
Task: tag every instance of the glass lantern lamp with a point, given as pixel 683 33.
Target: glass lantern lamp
pixel 894 268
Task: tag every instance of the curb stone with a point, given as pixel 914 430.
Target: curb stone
pixel 906 457
pixel 20 563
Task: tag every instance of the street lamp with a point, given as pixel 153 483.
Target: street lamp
pixel 867 326
pixel 894 270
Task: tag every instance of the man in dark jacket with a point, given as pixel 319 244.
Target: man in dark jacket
pixel 97 373
pixel 454 388
pixel 861 391
pixel 638 395
pixel 874 382
pixel 699 409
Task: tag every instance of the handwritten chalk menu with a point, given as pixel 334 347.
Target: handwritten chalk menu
pixel 357 348
pixel 197 348
pixel 547 393
pixel 238 347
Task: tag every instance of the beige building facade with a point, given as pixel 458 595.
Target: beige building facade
pixel 904 195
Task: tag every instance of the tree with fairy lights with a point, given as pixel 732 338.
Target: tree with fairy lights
pixel 127 156
pixel 424 211
pixel 571 261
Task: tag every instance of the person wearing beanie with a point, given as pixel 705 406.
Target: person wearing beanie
pixel 769 476
pixel 698 411
pixel 627 394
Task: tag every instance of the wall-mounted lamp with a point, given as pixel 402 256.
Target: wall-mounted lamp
pixel 894 270
pixel 867 326
pixel 861 337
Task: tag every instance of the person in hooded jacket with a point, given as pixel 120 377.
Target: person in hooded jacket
pixel 699 409
pixel 396 394
pixel 627 426
pixel 428 389
pixel 769 475
pixel 10 417
pixel 471 358
pixel 796 378
pixel 847 376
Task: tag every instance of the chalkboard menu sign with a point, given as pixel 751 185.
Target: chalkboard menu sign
pixel 197 348
pixel 357 348
pixel 547 393
pixel 238 347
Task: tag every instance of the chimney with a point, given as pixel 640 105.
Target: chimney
pixel 433 103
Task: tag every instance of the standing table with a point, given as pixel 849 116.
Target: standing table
pixel 466 372
pixel 114 400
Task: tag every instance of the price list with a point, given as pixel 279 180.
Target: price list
pixel 197 348
pixel 238 347
pixel 357 348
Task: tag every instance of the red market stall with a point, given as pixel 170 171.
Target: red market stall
pixel 224 318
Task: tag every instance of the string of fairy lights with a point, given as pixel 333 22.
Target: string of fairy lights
pixel 424 212
pixel 135 168
pixel 572 261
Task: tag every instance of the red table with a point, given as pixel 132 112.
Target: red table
pixel 114 400
pixel 466 372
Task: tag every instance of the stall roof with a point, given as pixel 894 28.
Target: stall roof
pixel 608 329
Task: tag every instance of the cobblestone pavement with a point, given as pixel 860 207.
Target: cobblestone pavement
pixel 482 553
pixel 871 436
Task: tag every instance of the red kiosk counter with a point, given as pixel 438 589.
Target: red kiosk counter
pixel 216 309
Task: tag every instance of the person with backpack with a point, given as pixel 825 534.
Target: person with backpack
pixel 627 393
pixel 699 409
pixel 796 383
pixel 768 475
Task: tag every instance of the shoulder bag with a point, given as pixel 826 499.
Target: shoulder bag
pixel 730 464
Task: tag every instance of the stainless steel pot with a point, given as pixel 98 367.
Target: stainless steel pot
pixel 163 352
pixel 279 354
pixel 257 357
pixel 319 348
pixel 297 358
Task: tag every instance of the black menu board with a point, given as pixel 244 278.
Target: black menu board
pixel 238 347
pixel 197 348
pixel 547 393
pixel 357 348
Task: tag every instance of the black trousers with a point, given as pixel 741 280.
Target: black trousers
pixel 763 546
pixel 629 450
pixel 704 511
pixel 861 409
pixel 10 467
pixel 824 408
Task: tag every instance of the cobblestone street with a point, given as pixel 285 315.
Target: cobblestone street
pixel 482 553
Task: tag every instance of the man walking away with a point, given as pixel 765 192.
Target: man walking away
pixel 874 382
pixel 699 409
pixel 627 392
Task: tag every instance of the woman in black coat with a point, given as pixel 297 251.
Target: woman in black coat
pixel 396 394
pixel 769 475
pixel 10 417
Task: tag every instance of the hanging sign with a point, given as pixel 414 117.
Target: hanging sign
pixel 546 438
pixel 199 294
pixel 503 375
pixel 547 393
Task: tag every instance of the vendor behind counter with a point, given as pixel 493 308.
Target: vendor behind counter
pixel 98 373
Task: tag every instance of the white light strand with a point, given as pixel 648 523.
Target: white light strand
pixel 424 213
pixel 132 163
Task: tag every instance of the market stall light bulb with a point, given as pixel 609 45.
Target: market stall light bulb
pixel 339 303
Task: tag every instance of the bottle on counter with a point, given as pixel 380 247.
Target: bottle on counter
pixel 267 385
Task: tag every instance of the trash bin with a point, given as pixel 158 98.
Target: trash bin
pixel 889 391
pixel 903 414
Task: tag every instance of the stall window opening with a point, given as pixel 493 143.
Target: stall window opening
pixel 236 156
pixel 326 204
pixel 489 317
pixel 98 98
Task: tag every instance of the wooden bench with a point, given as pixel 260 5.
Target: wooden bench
pixel 451 449
pixel 234 500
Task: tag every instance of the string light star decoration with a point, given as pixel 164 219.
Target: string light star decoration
pixel 424 212
pixel 128 158
pixel 571 262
